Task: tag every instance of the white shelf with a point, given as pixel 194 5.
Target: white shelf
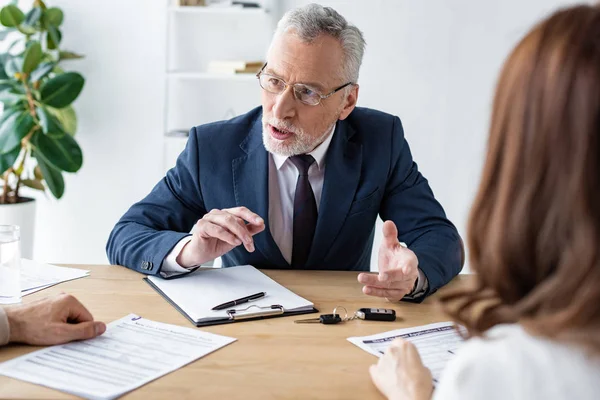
pixel 211 76
pixel 217 10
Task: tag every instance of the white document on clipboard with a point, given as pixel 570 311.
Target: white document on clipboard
pixel 196 293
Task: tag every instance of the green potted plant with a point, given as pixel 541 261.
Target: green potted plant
pixel 37 123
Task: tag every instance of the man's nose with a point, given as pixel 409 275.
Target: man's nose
pixel 285 104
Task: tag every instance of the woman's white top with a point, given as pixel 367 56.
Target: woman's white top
pixel 512 364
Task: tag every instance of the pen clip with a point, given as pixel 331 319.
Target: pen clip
pixel 275 309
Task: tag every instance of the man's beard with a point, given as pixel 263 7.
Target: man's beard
pixel 299 143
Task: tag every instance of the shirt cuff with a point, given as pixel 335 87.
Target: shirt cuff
pixel 4 328
pixel 170 266
pixel 420 288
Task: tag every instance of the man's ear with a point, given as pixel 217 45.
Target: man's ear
pixel 351 100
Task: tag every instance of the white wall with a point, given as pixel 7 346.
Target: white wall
pixel 432 63
pixel 120 124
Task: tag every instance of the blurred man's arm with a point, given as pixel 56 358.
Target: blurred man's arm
pixel 4 328
pixel 56 320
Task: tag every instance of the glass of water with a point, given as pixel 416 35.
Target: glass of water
pixel 10 262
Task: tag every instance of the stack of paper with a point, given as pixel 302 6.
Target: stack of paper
pixel 36 276
pixel 132 352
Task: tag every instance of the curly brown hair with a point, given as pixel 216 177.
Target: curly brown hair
pixel 534 228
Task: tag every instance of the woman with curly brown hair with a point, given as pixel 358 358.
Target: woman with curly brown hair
pixel 534 234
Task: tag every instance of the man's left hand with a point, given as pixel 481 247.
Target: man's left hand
pixel 398 268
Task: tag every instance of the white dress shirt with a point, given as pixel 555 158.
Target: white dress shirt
pixel 283 176
pixel 513 364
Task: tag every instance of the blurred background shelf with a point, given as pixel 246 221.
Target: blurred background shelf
pixel 202 42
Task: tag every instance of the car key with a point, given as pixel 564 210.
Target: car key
pixel 376 314
pixel 325 319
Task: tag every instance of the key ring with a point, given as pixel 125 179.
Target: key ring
pixel 345 312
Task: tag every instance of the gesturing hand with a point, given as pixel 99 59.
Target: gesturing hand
pixel 54 320
pixel 218 232
pixel 398 268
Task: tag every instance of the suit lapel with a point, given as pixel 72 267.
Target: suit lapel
pixel 342 174
pixel 251 189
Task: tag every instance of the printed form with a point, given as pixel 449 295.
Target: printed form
pixel 132 352
pixel 436 343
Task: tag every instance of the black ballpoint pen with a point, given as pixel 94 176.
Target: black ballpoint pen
pixel 240 301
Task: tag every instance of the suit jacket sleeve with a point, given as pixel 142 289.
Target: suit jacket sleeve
pixel 421 221
pixel 152 227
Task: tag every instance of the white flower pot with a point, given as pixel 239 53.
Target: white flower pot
pixel 22 214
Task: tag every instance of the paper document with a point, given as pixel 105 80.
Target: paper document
pixel 198 292
pixel 37 276
pixel 437 343
pixel 132 352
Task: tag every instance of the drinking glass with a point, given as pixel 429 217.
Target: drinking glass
pixel 10 262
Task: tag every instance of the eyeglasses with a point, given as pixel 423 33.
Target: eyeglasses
pixel 302 92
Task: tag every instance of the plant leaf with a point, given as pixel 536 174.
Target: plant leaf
pixel 69 55
pixel 8 111
pixel 9 98
pixel 41 71
pixel 3 60
pixel 38 173
pixel 13 66
pixel 26 30
pixel 32 58
pixel 7 84
pixel 50 124
pixel 13 129
pixel 53 38
pixel 15 43
pixel 53 16
pixel 63 153
pixel 52 176
pixel 8 160
pixel 33 16
pixel 34 184
pixel 67 118
pixel 62 90
pixel 11 16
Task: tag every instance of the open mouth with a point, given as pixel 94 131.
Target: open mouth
pixel 280 134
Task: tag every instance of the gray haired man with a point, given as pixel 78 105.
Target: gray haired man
pixel 299 182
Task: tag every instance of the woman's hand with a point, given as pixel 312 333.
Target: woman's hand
pixel 400 373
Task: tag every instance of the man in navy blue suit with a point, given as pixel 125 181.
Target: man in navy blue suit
pixel 299 182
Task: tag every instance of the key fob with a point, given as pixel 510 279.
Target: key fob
pixel 328 319
pixel 376 314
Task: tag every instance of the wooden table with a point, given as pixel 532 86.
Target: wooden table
pixel 272 359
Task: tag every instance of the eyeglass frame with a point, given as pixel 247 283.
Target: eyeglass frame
pixel 321 96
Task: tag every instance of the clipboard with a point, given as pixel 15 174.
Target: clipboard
pixel 244 312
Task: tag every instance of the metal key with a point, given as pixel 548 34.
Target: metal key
pixel 325 319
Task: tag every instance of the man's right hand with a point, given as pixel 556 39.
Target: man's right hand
pixel 54 320
pixel 218 232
